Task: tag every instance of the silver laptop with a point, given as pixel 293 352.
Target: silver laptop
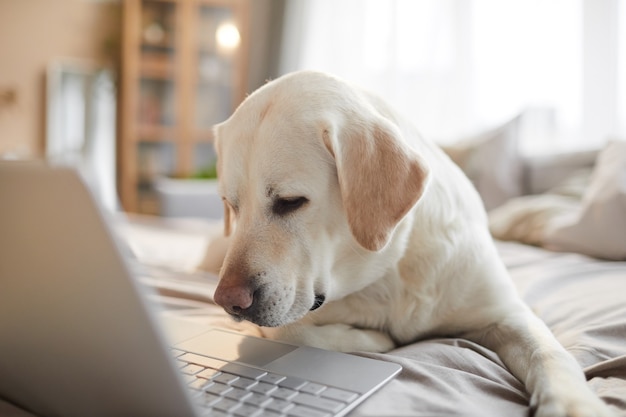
pixel 78 338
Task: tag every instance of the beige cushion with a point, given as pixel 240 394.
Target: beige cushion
pixel 598 228
pixel 492 162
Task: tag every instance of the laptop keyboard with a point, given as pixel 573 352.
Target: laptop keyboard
pixel 230 389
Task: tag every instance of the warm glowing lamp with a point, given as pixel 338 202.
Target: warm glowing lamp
pixel 227 36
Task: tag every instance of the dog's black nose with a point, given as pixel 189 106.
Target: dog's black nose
pixel 319 300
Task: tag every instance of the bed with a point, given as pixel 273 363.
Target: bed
pixel 564 245
pixel 582 299
pixel 561 233
pixel 565 248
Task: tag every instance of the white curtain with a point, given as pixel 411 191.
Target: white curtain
pixel 456 67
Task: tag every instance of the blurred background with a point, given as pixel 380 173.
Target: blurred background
pixel 127 90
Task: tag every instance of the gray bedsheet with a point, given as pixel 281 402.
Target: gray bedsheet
pixel 583 300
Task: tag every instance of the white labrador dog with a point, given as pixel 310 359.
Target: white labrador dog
pixel 349 231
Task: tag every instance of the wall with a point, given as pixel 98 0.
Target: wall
pixel 35 32
pixel 266 27
pixel 32 34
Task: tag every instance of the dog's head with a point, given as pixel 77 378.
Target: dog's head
pixel 314 181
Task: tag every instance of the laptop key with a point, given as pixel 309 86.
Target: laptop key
pixel 270 413
pixel 284 393
pixel 226 404
pixel 313 388
pixel 243 383
pixel 263 388
pixel 192 369
pixel 202 360
pixel 208 373
pixel 259 400
pixel 241 370
pixel 339 395
pixel 226 378
pixel 237 394
pixel 302 411
pixel 217 388
pixel 318 402
pixel 278 405
pixel 272 378
pixel 209 399
pixel 245 410
pixel 198 383
pixel 291 382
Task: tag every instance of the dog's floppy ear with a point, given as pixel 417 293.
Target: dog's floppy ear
pixel 228 217
pixel 380 177
pixel 228 225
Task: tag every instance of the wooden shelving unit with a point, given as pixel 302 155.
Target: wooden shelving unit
pixel 183 70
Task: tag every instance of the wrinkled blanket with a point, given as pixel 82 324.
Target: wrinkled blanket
pixel 582 299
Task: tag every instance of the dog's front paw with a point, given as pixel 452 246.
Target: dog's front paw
pixel 339 337
pixel 368 341
pixel 557 403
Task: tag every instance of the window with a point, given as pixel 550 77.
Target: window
pixel 459 66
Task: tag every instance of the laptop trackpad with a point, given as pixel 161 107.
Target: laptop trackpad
pixel 229 346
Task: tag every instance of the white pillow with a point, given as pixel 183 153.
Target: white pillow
pixel 492 162
pixel 599 227
pixel 525 219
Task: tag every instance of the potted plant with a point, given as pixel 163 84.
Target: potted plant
pixel 194 196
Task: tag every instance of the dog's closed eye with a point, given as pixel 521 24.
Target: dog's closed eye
pixel 286 205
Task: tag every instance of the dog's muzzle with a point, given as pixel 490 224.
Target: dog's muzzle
pixel 319 300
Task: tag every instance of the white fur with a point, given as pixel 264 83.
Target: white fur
pixel 432 271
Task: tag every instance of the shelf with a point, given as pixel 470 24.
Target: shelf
pixel 163 45
pixel 158 71
pixel 157 64
pixel 203 135
pixel 183 71
pixel 156 133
